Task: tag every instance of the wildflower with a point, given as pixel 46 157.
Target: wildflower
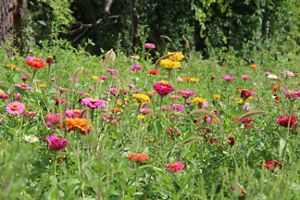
pixel 141 117
pixel 186 93
pixel 153 72
pixel 289 73
pixel 245 94
pixel 178 107
pixel 216 96
pixel 273 77
pixel 81 124
pixel 231 140
pixel 239 101
pixel 102 78
pixel 15 108
pixel 138 157
pixel 113 91
pixel 17 96
pixel 136 67
pixel 142 98
pixel 228 77
pixel 31 138
pixel 75 113
pixel 56 143
pixel 246 120
pixel 110 119
pixel 253 66
pixel 112 71
pixel 175 167
pixel 54 118
pixel 50 59
pixel 11 66
pixel 149 46
pixel 29 114
pixel 175 56
pixel 169 64
pixel 174 97
pixel 271 164
pixel 116 110
pixel 212 140
pixel 163 89
pixel 245 77
pixel 198 100
pixel 246 107
pixel 23 86
pixel 207 119
pixel 290 94
pixel 36 63
pixel 286 120
pixel 93 103
pixel 145 111
pixel 3 95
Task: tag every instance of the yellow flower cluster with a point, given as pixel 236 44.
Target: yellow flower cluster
pixel 198 100
pixel 142 98
pixel 173 61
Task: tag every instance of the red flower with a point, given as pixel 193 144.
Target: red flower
pixel 271 164
pixel 36 63
pixel 175 167
pixel 138 157
pixel 245 94
pixel 284 120
pixel 163 89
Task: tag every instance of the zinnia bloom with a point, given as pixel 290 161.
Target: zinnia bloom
pixel 54 118
pixel 175 56
pixel 228 77
pixel 175 167
pixel 112 71
pixel 163 89
pixel 23 86
pixel 15 108
pixel 245 77
pixel 142 98
pixel 93 103
pixel 271 164
pixel 56 143
pixel 153 72
pixel 245 94
pixel 138 157
pixel 178 107
pixel 290 94
pixel 285 120
pixel 186 93
pixel 3 95
pixel 169 64
pixel 149 46
pixel 81 124
pixel 75 113
pixel 136 67
pixel 36 63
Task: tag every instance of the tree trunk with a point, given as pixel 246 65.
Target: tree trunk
pixel 11 15
pixel 6 18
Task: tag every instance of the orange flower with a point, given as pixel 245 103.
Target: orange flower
pixel 231 140
pixel 36 63
pixel 253 66
pixel 81 124
pixel 138 157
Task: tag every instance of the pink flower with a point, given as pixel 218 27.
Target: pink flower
pixel 112 71
pixel 246 120
pixel 290 94
pixel 75 113
pixel 163 89
pixel 54 118
pixel 246 107
pixel 113 91
pixel 23 86
pixel 93 103
pixel 186 93
pixel 149 46
pixel 102 78
pixel 136 67
pixel 289 73
pixel 175 167
pixel 178 107
pixel 17 96
pixel 56 143
pixel 228 77
pixel 3 95
pixel 245 77
pixel 173 132
pixel 271 164
pixel 285 120
pixel 15 108
pixel 207 119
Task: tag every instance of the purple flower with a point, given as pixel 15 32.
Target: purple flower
pixel 93 103
pixel 112 71
pixel 136 67
pixel 228 77
pixel 290 94
pixel 149 46
pixel 178 107
pixel 23 86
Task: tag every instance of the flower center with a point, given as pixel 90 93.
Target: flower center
pixel 14 107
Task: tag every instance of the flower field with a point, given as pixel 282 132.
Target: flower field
pixel 77 126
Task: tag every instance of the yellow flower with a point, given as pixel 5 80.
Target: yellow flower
pixel 11 66
pixel 141 117
pixel 169 64
pixel 177 56
pixel 216 96
pixel 42 85
pixel 142 98
pixel 95 78
pixel 198 100
pixel 239 101
pixel 164 81
pixel 193 79
pixel 119 103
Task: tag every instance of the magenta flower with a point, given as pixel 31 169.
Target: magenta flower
pixel 149 46
pixel 102 78
pixel 228 77
pixel 93 103
pixel 56 143
pixel 3 95
pixel 246 120
pixel 245 94
pixel 112 71
pixel 175 167
pixel 23 86
pixel 271 164
pixel 178 107
pixel 163 89
pixel 186 93
pixel 285 120
pixel 17 96
pixel 136 67
pixel 15 108
pixel 113 91
pixel 290 94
